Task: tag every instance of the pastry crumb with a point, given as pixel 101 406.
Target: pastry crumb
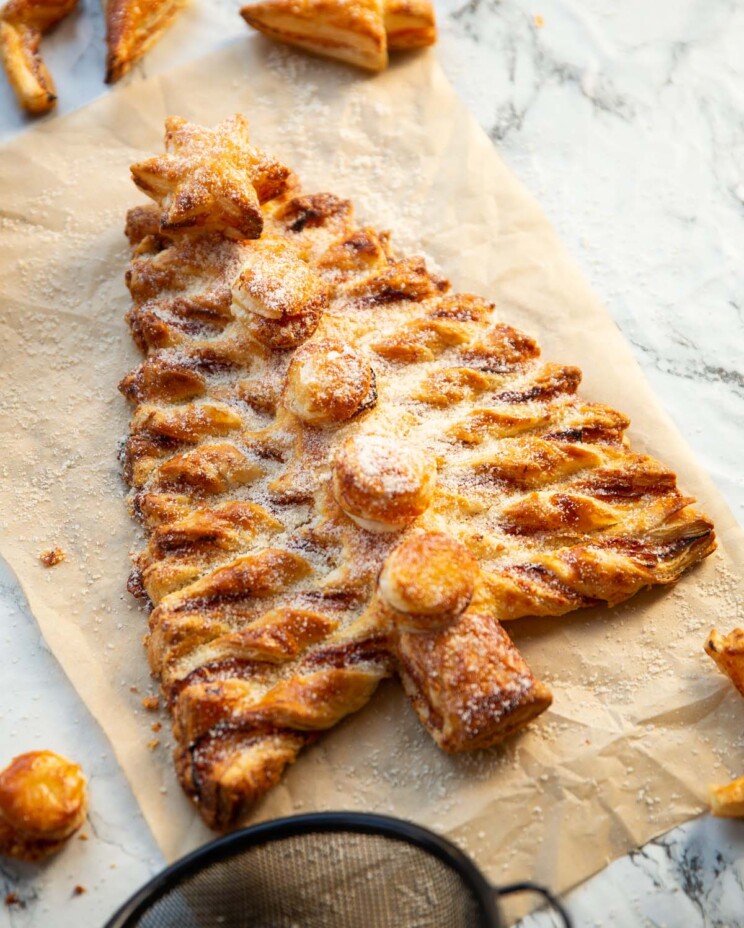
pixel 52 557
pixel 151 703
pixel 153 744
pixel 79 890
pixel 538 20
pixel 82 837
pixel 12 899
pixel 156 726
pixel 134 689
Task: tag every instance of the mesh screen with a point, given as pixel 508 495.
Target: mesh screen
pixel 323 880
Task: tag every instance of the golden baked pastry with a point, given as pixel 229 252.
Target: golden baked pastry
pixel 43 801
pixel 728 653
pixel 349 30
pixel 727 801
pixel 132 28
pixel 22 24
pixel 359 32
pixel 409 23
pixel 348 471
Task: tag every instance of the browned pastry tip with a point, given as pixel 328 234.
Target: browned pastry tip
pixel 22 24
pixel 132 28
pixel 428 581
pixel 235 748
pixel 43 800
pixel 211 179
pixel 348 30
pixel 728 653
pixel 382 484
pixel 226 772
pixel 328 382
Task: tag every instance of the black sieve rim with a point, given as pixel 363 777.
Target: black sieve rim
pixel 314 822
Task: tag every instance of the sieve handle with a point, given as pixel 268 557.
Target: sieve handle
pixel 527 887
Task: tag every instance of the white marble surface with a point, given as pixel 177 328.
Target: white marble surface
pixel 626 120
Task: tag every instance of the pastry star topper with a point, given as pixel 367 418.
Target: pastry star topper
pixel 211 179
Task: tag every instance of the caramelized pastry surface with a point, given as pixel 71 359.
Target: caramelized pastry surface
pixel 346 470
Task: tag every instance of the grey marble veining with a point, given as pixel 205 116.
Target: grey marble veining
pixel 626 121
pixel 692 877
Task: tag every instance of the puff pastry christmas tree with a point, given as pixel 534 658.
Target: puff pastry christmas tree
pixel 347 471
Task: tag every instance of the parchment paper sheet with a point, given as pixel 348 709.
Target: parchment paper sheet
pixel 641 720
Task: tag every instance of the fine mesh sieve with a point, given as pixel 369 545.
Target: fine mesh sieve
pixel 327 870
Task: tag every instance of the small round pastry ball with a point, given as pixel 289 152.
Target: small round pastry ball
pixel 43 800
pixel 282 334
pixel 428 581
pixel 277 296
pixel 328 382
pixel 274 282
pixel 381 483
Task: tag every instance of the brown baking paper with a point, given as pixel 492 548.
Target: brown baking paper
pixel 641 719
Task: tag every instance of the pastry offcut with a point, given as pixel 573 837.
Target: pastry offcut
pixel 132 28
pixel 346 471
pixel 359 32
pixel 22 25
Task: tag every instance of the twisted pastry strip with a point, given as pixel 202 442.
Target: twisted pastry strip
pixel 22 24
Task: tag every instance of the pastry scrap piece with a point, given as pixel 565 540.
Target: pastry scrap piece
pixel 132 28
pixel 728 653
pixel 349 30
pixel 43 801
pixel 727 801
pixel 359 32
pixel 347 471
pixel 22 24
